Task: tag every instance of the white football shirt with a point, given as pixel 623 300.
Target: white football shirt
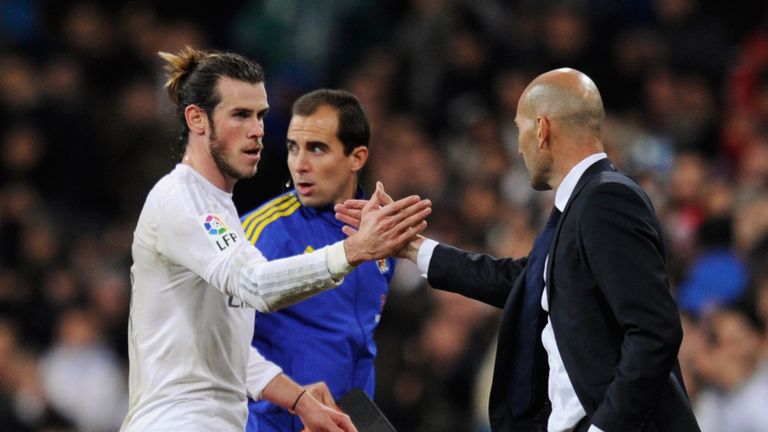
pixel 194 281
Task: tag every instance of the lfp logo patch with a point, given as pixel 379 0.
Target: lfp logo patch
pixel 214 225
pixel 219 233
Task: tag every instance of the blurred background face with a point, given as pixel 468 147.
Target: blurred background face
pixel 322 174
pixel 734 336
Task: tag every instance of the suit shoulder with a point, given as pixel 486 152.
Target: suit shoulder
pixel 615 177
pixel 616 194
pixel 614 182
pixel 276 209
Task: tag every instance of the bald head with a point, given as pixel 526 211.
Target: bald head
pixel 566 96
pixel 559 118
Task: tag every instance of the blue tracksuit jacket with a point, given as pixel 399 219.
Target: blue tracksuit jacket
pixel 328 337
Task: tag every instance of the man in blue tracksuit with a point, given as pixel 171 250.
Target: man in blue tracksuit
pixel 328 337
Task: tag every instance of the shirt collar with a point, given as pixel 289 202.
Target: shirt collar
pixel 564 192
pixel 327 211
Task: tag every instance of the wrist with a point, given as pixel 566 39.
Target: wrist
pixel 292 410
pixel 352 259
pixel 411 250
pixel 337 260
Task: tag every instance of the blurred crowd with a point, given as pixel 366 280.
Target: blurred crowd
pixel 86 129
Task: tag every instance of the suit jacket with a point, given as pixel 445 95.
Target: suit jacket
pixel 616 324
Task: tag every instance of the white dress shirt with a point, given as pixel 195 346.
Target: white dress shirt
pixel 567 410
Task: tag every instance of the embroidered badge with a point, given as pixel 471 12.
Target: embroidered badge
pixel 383 265
pixel 219 233
pixel 214 225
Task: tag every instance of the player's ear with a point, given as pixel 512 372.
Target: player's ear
pixel 358 156
pixel 196 118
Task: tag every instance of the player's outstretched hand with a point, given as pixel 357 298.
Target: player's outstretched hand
pixel 350 211
pixel 385 226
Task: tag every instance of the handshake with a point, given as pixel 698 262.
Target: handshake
pixel 381 227
pixel 377 228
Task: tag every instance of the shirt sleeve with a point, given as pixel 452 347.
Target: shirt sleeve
pixel 260 372
pixel 212 245
pixel 424 256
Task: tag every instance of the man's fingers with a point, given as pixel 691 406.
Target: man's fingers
pixel 395 211
pixel 410 227
pixel 371 205
pixel 402 204
pixel 411 215
pixel 348 230
pixel 384 198
pixel 349 217
pixel 413 220
pixel 344 422
pixel 351 204
pixel 381 198
pixel 410 233
pixel 399 205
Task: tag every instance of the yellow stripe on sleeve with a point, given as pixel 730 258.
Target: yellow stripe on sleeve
pixel 273 206
pixel 269 205
pixel 257 228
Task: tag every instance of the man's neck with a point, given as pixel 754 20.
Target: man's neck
pixel 568 182
pixel 202 162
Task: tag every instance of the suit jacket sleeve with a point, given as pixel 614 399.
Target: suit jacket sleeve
pixel 625 252
pixel 477 276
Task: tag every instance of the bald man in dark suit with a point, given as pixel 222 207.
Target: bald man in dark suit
pixel 590 332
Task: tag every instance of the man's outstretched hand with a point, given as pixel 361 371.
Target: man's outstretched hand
pixel 381 227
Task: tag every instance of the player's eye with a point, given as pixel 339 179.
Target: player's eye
pixel 317 148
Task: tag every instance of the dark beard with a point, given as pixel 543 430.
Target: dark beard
pixel 221 163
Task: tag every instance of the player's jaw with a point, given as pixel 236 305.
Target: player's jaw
pixel 236 161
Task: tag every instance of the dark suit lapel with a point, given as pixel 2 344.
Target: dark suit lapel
pixel 595 169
